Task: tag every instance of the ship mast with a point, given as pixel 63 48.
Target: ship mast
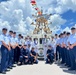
pixel 41 24
pixel 41 21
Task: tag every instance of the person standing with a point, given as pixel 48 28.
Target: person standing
pixel 35 44
pixel 61 49
pixel 72 48
pixel 19 48
pixel 63 53
pixel 67 59
pixel 53 43
pixel 45 43
pixel 5 47
pixel 16 46
pixel 0 55
pixel 10 37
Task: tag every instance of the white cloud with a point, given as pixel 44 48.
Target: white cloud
pixel 16 14
pixel 28 20
pixel 13 13
pixel 51 10
pixel 62 6
pixel 75 25
pixel 57 21
pixel 67 29
pixel 4 24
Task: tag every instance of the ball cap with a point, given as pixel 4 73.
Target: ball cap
pixel 4 29
pixel 49 45
pixel 33 47
pixel 73 28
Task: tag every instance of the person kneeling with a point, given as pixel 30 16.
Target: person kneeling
pixel 50 55
pixel 24 58
pixel 33 56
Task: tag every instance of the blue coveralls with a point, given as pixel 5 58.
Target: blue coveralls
pixel 24 52
pixel 50 56
pixel 31 58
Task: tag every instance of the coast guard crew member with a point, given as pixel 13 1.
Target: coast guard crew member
pixel 67 60
pixel 19 47
pixel 29 43
pixel 13 46
pixel 71 43
pixel 58 44
pixel 58 55
pixel 5 47
pixel 61 47
pixel 16 45
pixel 74 46
pixel 24 57
pixel 0 55
pixel 45 42
pixel 29 47
pixel 35 44
pixel 28 40
pixel 33 56
pixel 22 40
pixel 10 37
pixel 63 53
pixel 57 48
pixel 50 55
pixel 53 43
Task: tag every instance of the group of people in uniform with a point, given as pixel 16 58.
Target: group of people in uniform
pixel 17 50
pixel 61 49
pixel 66 49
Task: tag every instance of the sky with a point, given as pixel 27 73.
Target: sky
pixel 17 14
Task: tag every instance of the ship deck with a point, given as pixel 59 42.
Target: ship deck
pixel 41 69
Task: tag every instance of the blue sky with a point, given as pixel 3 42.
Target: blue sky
pixel 70 16
pixel 2 0
pixel 16 14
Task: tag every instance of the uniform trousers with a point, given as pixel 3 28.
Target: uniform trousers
pixel 72 59
pixel 4 58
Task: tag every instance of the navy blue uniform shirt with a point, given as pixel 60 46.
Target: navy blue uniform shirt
pixel 50 52
pixel 25 52
pixel 33 53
